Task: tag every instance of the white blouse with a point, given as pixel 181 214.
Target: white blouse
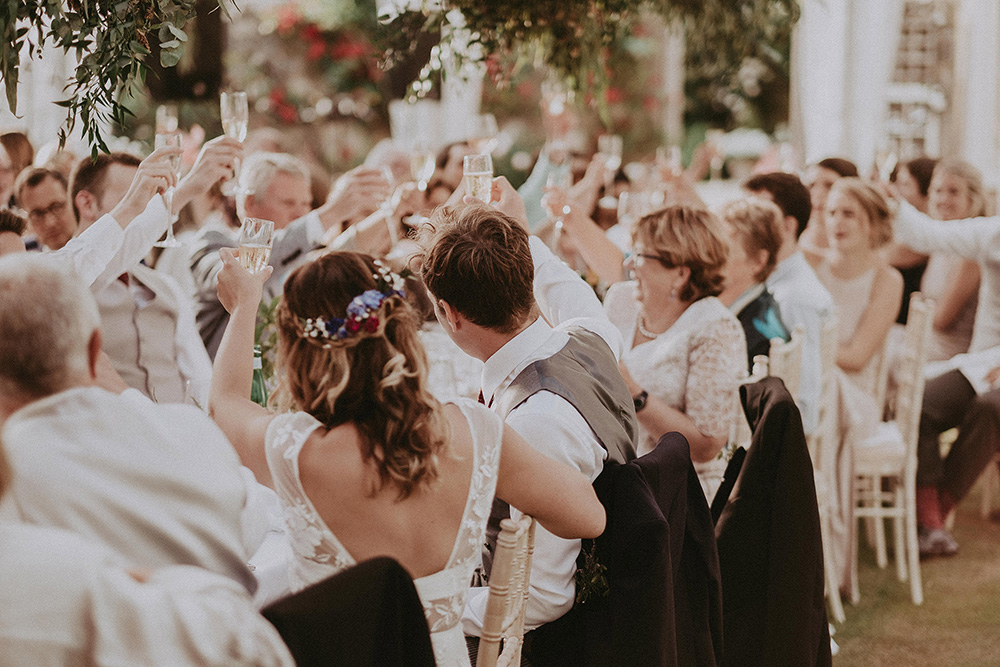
pixel 695 366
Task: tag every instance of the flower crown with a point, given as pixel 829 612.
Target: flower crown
pixel 362 311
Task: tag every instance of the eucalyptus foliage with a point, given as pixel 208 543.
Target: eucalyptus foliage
pixel 573 37
pixel 111 40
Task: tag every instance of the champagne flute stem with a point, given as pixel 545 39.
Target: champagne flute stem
pixel 168 200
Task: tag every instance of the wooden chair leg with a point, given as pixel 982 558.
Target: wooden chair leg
pixel 855 587
pixel 912 549
pixel 881 553
pixel 832 577
pixel 899 534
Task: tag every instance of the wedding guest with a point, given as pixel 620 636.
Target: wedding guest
pixel 820 177
pixel 967 398
pixel 913 181
pixel 11 230
pixel 681 341
pixel 42 194
pixel 366 461
pixel 8 172
pixel 753 230
pixel 975 239
pixel 68 600
pixel 956 193
pixel 147 319
pixel 803 300
pixel 550 370
pixel 158 485
pixel 865 289
pixel 275 187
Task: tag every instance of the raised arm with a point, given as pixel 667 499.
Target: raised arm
pixel 563 297
pixel 974 238
pixel 561 498
pixel 243 421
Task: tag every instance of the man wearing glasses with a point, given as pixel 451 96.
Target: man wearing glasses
pixel 42 194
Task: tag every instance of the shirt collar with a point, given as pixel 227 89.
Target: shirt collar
pixel 505 361
pixel 744 299
pixel 786 267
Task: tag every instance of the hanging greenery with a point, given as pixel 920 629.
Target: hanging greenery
pixel 110 39
pixel 573 38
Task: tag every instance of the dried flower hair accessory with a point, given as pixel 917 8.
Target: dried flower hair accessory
pixel 362 311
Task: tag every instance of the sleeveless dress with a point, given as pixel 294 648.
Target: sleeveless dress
pixel 319 554
pixel 851 297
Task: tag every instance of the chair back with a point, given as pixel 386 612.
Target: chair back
pixel 508 597
pixel 369 614
pixel 910 373
pixel 823 442
pixel 785 361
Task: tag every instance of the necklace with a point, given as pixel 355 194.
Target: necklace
pixel 641 324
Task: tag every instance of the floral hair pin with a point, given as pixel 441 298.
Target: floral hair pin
pixel 362 311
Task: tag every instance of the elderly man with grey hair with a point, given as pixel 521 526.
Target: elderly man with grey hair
pixel 275 186
pixel 156 484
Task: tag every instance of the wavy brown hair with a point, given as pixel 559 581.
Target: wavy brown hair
pixel 375 380
pixel 687 236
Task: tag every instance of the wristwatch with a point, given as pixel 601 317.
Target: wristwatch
pixel 639 400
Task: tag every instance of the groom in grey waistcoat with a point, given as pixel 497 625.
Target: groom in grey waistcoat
pixel 551 365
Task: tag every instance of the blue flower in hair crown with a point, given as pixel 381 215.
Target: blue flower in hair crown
pixel 362 311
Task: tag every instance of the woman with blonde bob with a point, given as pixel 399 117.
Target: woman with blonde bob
pixel 366 462
pixel 866 290
pixel 686 350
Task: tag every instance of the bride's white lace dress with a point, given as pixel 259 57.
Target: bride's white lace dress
pixel 319 554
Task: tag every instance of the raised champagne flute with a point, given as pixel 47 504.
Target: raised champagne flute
pixel 169 139
pixel 610 146
pixel 478 175
pixel 422 165
pixel 235 115
pixel 255 243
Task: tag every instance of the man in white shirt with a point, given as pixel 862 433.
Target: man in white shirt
pixel 505 299
pixel 159 485
pixel 151 336
pixel 803 300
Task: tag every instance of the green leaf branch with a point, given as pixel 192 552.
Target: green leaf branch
pixel 111 41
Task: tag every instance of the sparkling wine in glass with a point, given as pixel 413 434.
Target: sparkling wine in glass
pixel 478 175
pixel 235 115
pixel 422 166
pixel 169 139
pixel 610 146
pixel 255 243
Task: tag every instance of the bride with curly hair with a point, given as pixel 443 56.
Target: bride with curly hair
pixel 365 460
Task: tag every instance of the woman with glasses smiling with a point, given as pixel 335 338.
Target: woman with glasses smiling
pixel 687 351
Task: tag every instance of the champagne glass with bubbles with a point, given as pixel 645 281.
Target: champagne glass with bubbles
pixel 610 146
pixel 235 118
pixel 422 165
pixel 172 138
pixel 478 175
pixel 255 243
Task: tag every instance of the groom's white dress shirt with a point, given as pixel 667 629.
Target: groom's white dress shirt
pixel 549 423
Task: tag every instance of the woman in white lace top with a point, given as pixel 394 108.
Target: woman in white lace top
pixel 366 462
pixel 687 352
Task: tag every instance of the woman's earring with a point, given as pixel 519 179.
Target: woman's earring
pixel 673 294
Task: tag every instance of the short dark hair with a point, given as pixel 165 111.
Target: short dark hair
pixel 922 169
pixel 788 192
pixel 32 177
pixel 89 174
pixel 479 261
pixel 844 168
pixel 11 222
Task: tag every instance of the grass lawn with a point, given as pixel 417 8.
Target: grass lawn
pixel 958 624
